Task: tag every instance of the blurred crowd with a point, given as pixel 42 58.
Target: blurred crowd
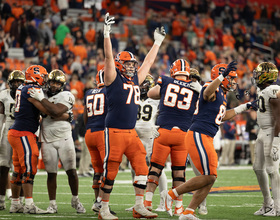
pixel 200 31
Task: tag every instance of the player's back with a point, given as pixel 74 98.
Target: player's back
pixel 95 101
pixel 52 130
pixel 26 114
pixel 264 113
pixel 123 97
pixel 8 102
pixel 208 115
pixel 177 103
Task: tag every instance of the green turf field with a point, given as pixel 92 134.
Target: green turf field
pixel 235 196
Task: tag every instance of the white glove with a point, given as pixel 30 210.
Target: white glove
pixel 107 26
pixel 274 153
pixel 155 131
pixel 159 35
pixel 37 94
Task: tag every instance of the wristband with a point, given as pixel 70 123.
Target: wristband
pixel 240 108
pixel 221 78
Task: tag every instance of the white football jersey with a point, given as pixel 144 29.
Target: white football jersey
pixel 264 114
pixel 9 103
pixel 52 130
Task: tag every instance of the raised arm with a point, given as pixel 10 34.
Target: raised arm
pixel 159 36
pixel 109 69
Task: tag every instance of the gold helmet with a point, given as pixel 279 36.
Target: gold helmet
pixel 195 74
pixel 146 85
pixel 56 76
pixel 265 72
pixel 15 75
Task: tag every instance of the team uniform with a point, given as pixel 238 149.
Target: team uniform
pixel 22 136
pixel 206 120
pixel 177 104
pixel 95 100
pixel 5 148
pixel 263 160
pixel 56 137
pixel 146 118
pixel 123 97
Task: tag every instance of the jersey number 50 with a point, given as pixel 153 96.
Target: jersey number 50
pixel 95 104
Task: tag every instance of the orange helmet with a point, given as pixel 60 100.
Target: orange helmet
pixel 36 74
pixel 120 61
pixel 180 67
pixel 218 70
pixel 100 78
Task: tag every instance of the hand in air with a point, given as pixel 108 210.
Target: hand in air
pixel 107 24
pixel 231 67
pixel 159 35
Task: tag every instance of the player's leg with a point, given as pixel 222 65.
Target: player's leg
pixel 262 176
pixel 162 186
pixel 50 159
pixel 231 152
pixel 67 155
pixel 137 156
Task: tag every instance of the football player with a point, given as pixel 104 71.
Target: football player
pixel 209 114
pixel 122 81
pixel 22 138
pixel 146 118
pixel 178 96
pixel 266 165
pixel 7 102
pixel 56 138
pixel 94 117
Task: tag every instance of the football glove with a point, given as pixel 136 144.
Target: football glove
pixel 253 105
pixel 274 153
pixel 159 35
pixel 107 25
pixel 231 67
pixel 155 131
pixel 37 93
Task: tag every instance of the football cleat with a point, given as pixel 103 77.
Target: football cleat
pixel 16 208
pixel 188 217
pixel 104 213
pixel 33 209
pixel 148 205
pixel 76 204
pixel 52 209
pixel 264 209
pixel 178 211
pixel 168 202
pixel 2 205
pixel 97 206
pixel 130 209
pixel 161 207
pixel 202 210
pixel 272 213
pixel 139 211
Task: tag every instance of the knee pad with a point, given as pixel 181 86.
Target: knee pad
pixel 107 182
pixel 29 178
pixel 178 178
pixel 140 182
pixel 18 179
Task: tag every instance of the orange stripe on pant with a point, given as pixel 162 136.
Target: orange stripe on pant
pixel 96 147
pixel 25 153
pixel 202 152
pixel 119 142
pixel 170 142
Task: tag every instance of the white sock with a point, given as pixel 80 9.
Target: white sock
pixel 149 196
pixel 139 199
pixel 53 202
pixel 2 198
pixel 8 193
pixel 28 201
pixel 21 199
pixel 99 198
pixel 178 203
pixel 105 204
pixel 74 197
pixel 15 201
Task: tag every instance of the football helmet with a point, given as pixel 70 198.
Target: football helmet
pixel 265 72
pixel 100 78
pixel 126 63
pixel 228 83
pixel 15 79
pixel 180 67
pixel 195 74
pixel 56 76
pixel 147 84
pixel 36 74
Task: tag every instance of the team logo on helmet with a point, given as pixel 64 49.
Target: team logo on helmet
pixel 265 72
pixel 180 67
pixel 126 63
pixel 228 83
pixel 36 74
pixel 195 74
pixel 100 78
pixel 56 76
pixel 147 84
